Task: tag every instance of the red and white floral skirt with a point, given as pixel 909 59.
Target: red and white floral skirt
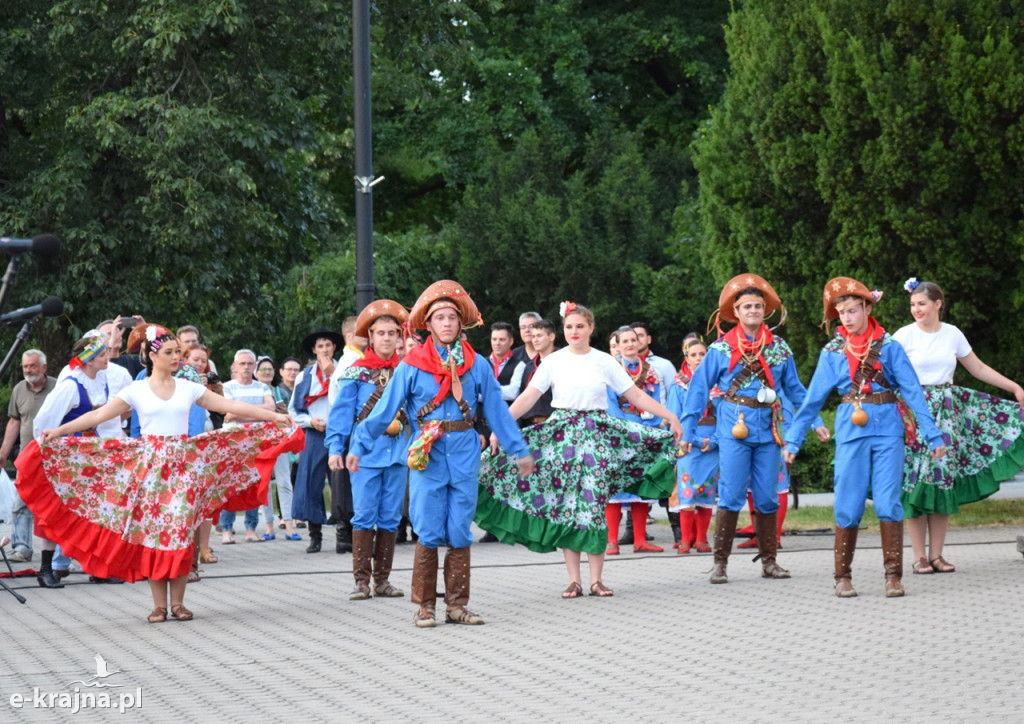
pixel 128 507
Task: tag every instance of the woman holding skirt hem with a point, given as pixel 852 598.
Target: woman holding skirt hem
pixel 584 457
pixel 129 508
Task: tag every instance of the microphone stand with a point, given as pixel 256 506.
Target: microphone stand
pixel 19 342
pixel 8 281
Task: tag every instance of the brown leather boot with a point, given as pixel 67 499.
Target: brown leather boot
pixel 725 531
pixel 768 546
pixel 456 587
pixel 383 555
pixel 362 549
pixel 846 544
pixel 892 555
pixel 424 585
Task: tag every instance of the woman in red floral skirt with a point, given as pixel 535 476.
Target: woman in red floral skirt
pixel 129 507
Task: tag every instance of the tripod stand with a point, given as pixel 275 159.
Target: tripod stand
pixel 3 583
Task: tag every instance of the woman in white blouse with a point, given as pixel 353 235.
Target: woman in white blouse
pixel 984 431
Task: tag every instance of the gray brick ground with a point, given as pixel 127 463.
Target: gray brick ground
pixel 276 638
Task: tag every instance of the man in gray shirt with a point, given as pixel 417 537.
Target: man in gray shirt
pixel 26 399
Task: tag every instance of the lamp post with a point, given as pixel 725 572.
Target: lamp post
pixel 364 153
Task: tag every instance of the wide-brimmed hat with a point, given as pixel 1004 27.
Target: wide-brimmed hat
pixel 379 308
pixel 844 287
pixel 323 333
pixel 444 294
pixel 727 299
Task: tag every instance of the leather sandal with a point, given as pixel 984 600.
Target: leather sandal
pixel 612 549
pixel 386 590
pixel 461 614
pixel 159 615
pixel 207 556
pixel 574 590
pixel 941 565
pixel 360 593
pixel 702 546
pixel 922 566
pixel 600 590
pixel 193 576
pixel 683 547
pixel 424 616
pixel 180 613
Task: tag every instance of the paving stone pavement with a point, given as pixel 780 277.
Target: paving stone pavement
pixel 275 637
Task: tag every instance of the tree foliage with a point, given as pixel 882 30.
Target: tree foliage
pixel 875 140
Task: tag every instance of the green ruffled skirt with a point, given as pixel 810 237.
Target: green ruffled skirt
pixel 583 459
pixel 984 437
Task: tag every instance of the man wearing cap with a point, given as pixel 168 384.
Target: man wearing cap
pixel 749 363
pixel 378 488
pixel 309 407
pixel 865 365
pixel 441 383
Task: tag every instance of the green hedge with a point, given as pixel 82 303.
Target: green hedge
pixel 812 469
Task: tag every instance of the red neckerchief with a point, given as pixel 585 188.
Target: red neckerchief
pixel 685 373
pixel 872 334
pixel 497 363
pixel 738 345
pixel 324 387
pixel 425 358
pixel 371 361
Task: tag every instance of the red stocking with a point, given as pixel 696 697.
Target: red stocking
pixel 703 522
pixel 781 516
pixel 688 527
pixel 613 514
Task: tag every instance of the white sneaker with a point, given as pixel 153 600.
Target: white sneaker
pixel 19 557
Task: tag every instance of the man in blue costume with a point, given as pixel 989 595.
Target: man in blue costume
pixel 865 365
pixel 748 364
pixel 442 383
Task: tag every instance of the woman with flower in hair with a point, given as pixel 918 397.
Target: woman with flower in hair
pixel 645 378
pixel 982 431
pixel 697 471
pixel 585 456
pixel 129 507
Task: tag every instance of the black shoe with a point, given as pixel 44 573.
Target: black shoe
pixel 344 536
pixel 48 580
pixel 61 573
pixel 97 579
pixel 314 545
pixel 489 538
pixel 402 536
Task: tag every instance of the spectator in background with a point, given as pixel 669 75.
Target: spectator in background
pixel 244 388
pixel 284 468
pixel 26 399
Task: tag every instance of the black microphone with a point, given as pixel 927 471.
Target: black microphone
pixel 44 245
pixel 50 307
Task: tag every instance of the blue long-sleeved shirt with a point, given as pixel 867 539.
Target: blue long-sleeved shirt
pixel 676 402
pixel 714 370
pixel 833 373
pixel 354 389
pixel 456 454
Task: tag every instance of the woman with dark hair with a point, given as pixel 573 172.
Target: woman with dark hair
pixel 982 431
pixel 284 468
pixel 647 379
pixel 129 508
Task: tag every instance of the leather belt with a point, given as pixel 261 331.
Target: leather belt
pixel 875 398
pixel 708 420
pixel 746 401
pixel 456 425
